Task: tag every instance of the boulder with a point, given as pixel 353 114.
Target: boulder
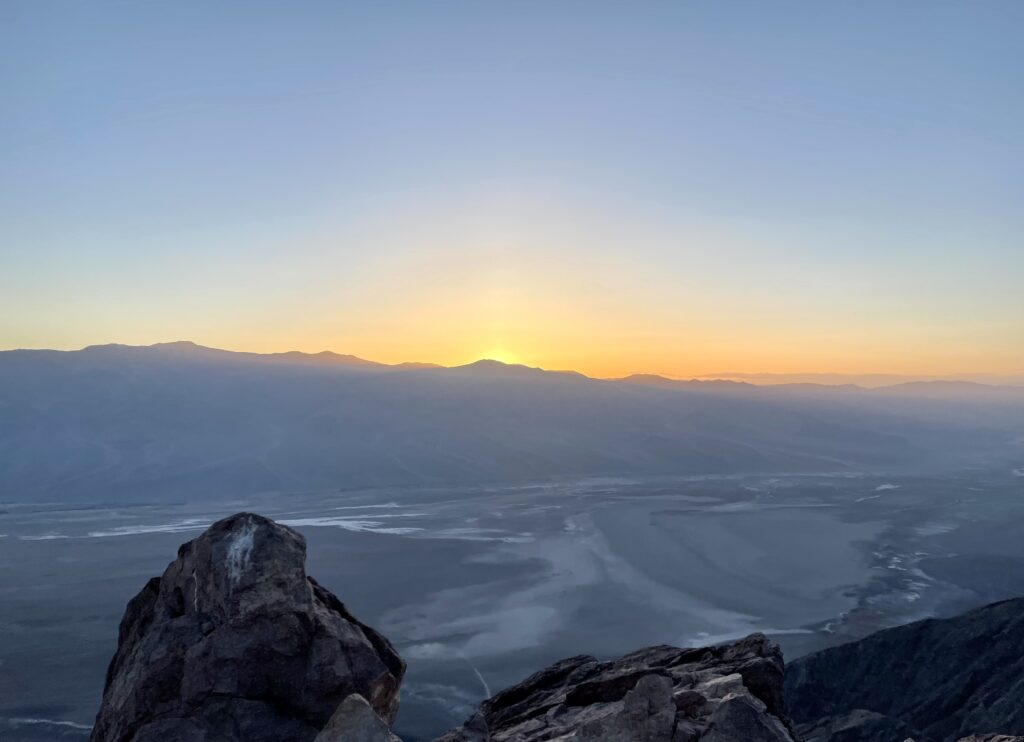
pixel 729 693
pixel 741 717
pixel 235 642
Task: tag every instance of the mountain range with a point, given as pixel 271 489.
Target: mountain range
pixel 118 423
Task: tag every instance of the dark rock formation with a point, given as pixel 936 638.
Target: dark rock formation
pixel 731 693
pixel 235 642
pixel 992 738
pixel 939 680
pixel 856 726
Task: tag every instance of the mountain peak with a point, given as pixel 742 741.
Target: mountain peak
pixel 491 363
pixel 500 368
pixel 182 344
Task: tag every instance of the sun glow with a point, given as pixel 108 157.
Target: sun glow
pixel 500 354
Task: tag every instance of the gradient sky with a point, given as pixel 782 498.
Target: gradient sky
pixel 681 188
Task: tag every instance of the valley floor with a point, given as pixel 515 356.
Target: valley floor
pixel 479 587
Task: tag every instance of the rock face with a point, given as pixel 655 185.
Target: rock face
pixel 730 693
pixel 235 642
pixel 936 680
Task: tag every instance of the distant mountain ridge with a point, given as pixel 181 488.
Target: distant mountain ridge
pixel 1015 378
pixel 722 380
pixel 936 387
pixel 187 348
pixel 178 420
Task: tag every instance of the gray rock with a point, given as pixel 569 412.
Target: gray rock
pixel 657 694
pixel 355 721
pixel 645 714
pixel 742 718
pixel 235 642
pixel 992 738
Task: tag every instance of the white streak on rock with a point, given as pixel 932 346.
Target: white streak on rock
pixel 239 551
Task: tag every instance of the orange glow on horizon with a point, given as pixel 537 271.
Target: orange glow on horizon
pixel 601 314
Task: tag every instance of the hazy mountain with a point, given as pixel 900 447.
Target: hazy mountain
pixel 866 380
pixel 181 421
pixel 187 350
pixel 945 402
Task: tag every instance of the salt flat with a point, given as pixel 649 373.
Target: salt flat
pixel 478 587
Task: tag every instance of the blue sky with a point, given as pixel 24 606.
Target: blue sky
pixel 673 187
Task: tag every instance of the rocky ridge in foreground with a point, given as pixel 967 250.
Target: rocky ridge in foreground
pixel 717 694
pixel 235 642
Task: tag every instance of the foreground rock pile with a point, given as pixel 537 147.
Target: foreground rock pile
pixel 235 642
pixel 658 694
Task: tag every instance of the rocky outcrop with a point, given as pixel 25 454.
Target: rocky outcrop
pixel 235 642
pixel 659 694
pixel 939 680
pixel 992 738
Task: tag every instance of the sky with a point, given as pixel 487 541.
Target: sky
pixel 680 188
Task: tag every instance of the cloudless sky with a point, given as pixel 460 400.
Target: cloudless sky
pixel 682 188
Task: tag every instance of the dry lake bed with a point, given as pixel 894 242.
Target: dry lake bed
pixel 478 587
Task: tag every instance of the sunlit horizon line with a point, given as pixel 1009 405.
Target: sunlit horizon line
pixel 514 359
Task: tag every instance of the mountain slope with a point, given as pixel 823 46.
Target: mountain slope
pixel 944 679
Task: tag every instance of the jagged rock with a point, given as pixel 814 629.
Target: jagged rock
pixel 992 738
pixel 235 642
pixel 944 678
pixel 730 693
pixel 355 721
pixel 742 717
